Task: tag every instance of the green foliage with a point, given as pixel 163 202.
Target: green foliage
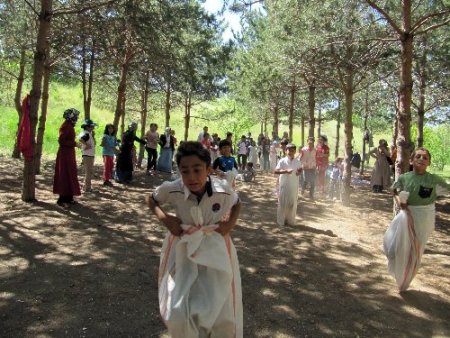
pixel 437 141
pixel 8 127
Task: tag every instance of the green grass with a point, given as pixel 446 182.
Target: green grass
pixel 63 97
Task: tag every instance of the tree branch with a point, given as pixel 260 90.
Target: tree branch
pixel 433 27
pixel 386 16
pixel 420 22
pixel 32 7
pixel 83 9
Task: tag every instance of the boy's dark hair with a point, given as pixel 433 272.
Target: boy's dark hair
pixel 420 148
pixel 250 164
pixel 106 132
pixel 224 143
pixel 195 148
pixel 229 134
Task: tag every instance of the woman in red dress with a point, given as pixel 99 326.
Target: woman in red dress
pixel 322 154
pixel 65 182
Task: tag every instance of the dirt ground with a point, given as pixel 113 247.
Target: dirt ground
pixel 91 271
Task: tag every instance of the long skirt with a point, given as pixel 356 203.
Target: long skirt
pixel 200 285
pixel 405 240
pixel 165 160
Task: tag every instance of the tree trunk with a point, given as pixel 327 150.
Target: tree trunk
pixel 422 92
pixel 275 111
pixel 302 131
pixel 319 122
pixel 18 99
pixel 395 123
pixel 348 148
pixel 84 79
pixel 187 115
pixel 338 130
pixel 42 118
pixel 42 47
pixel 366 116
pixel 311 108
pixel 121 96
pixel 144 113
pixel 406 85
pixel 168 104
pixel 91 80
pixel 291 111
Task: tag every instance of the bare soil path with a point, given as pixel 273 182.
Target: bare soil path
pixel 91 270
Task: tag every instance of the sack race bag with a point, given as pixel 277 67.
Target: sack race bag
pixel 405 240
pixel 402 249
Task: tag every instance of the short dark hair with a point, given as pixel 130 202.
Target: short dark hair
pixel 423 149
pixel 224 143
pixel 195 148
pixel 106 129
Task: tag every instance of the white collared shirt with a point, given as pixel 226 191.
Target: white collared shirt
pixel 215 203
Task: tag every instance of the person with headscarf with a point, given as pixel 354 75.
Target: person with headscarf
pixel 65 181
pixel 124 166
pixel 167 144
pixel 381 173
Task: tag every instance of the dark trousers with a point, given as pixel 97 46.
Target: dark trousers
pixel 242 164
pixel 309 178
pixel 152 155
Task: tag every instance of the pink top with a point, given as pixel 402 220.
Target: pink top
pixel 152 139
pixel 308 158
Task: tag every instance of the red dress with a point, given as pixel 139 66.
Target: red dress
pixel 65 182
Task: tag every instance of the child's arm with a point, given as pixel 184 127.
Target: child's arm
pixel 282 171
pixel 226 227
pixel 172 223
pixel 83 140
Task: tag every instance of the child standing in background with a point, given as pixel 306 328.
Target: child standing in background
pixel 335 179
pixel 87 142
pixel 289 168
pixel 248 175
pixel 225 166
pixel 199 280
pixel 109 144
pixel 152 138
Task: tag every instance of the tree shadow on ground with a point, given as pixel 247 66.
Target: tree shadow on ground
pixel 91 270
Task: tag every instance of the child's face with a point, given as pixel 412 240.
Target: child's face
pixel 291 152
pixel 225 151
pixel 420 161
pixel 110 130
pixel 194 173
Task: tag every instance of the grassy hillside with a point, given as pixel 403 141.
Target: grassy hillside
pixel 63 97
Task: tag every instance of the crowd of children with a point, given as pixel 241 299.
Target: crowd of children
pixel 199 279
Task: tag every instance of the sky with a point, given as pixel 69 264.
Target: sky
pixel 214 6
